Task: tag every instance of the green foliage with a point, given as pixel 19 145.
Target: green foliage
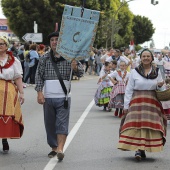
pixel 125 17
pixel 142 30
pixel 137 47
pixel 21 15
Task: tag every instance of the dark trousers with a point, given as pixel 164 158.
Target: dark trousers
pixel 56 119
pixel 31 74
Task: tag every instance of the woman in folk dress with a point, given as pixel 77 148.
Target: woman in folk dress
pixel 119 78
pixel 11 124
pixel 143 126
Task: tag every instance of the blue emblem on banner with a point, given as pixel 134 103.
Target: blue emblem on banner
pixel 77 32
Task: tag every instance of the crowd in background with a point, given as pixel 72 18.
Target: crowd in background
pixel 130 88
pixel 95 61
pixel 92 64
pixel 28 54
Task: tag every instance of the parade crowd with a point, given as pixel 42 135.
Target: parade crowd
pixel 127 83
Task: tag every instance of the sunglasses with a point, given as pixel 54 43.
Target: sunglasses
pixel 2 44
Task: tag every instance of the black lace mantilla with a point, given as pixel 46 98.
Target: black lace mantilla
pixel 153 74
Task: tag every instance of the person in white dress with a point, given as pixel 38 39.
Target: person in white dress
pixel 102 95
pixel 143 126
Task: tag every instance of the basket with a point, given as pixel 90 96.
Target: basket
pixel 163 95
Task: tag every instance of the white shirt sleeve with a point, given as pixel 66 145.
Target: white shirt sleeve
pixel 102 73
pixel 109 59
pixel 112 74
pixel 17 69
pixel 129 90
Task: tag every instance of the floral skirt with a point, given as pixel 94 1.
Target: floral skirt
pixel 11 123
pixel 102 95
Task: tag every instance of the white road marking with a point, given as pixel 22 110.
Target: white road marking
pixel 53 161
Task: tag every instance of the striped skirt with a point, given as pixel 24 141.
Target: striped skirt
pixel 144 126
pixel 11 124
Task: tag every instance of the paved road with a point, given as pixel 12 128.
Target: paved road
pixel 94 146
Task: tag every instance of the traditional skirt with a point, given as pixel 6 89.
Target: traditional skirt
pixel 117 96
pixel 11 124
pixel 102 95
pixel 144 126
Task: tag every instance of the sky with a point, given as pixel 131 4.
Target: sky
pixel 158 14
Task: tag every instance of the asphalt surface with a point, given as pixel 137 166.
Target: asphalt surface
pixel 94 146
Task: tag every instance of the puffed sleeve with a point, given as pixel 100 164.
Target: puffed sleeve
pixel 129 90
pixel 17 69
pixel 102 73
pixel 113 74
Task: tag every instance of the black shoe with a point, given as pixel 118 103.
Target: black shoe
pixel 143 155
pixel 138 155
pixel 60 155
pixel 52 154
pixel 5 145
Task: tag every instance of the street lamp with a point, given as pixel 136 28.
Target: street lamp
pixel 154 2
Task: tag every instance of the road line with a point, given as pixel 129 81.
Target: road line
pixel 53 161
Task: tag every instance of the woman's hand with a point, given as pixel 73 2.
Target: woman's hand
pixel 21 98
pixel 40 98
pixel 74 65
pixel 125 111
pixel 160 84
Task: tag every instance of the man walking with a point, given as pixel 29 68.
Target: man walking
pixel 56 113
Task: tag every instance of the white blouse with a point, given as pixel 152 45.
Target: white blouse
pixel 120 58
pixel 137 82
pixel 160 62
pixel 102 73
pixel 115 74
pixel 13 72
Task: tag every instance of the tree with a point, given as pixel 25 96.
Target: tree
pixel 125 33
pixel 122 24
pixel 21 15
pixel 142 30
